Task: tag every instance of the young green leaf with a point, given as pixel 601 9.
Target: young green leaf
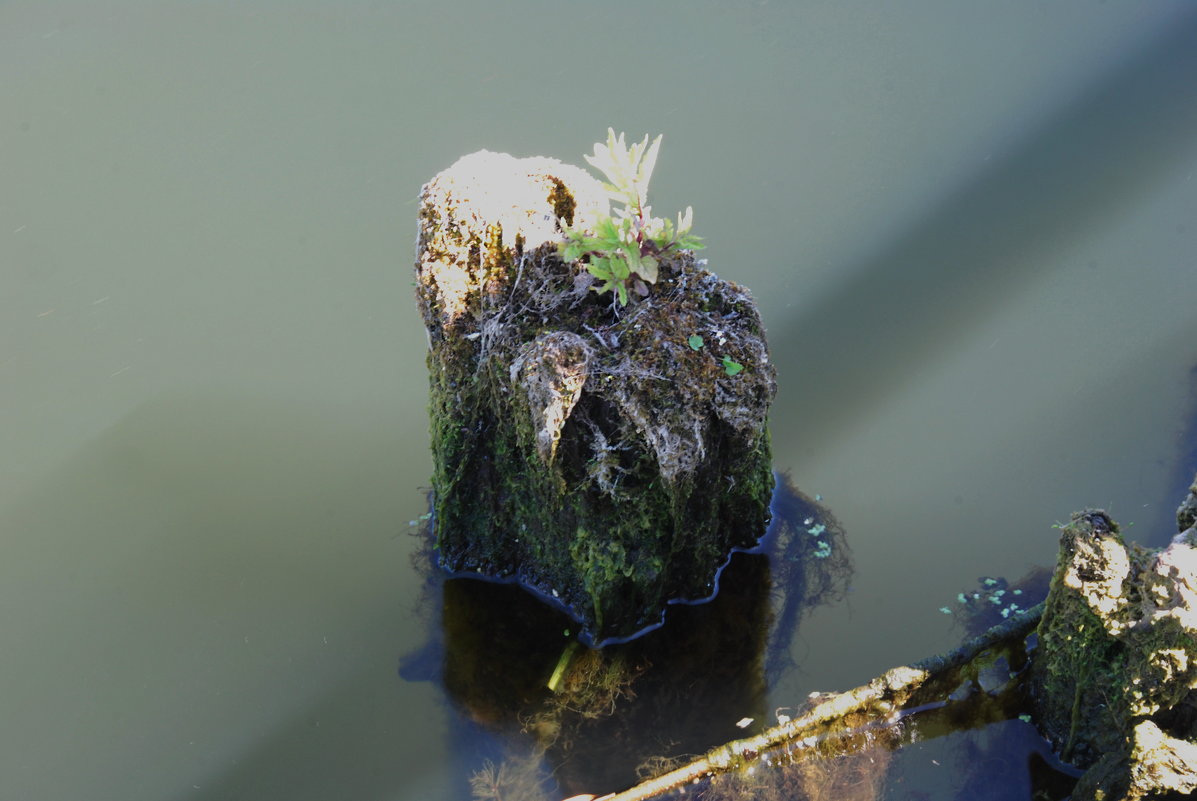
pixel 731 367
pixel 666 232
pixel 647 269
pixel 630 250
pixel 611 160
pixel 570 250
pixel 606 230
pixel 620 270
pixel 686 222
pixel 695 342
pixel 625 247
pixel 600 269
pixel 645 171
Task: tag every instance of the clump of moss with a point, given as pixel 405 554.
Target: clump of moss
pixel 590 452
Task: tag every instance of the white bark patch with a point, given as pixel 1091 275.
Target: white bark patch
pixel 552 370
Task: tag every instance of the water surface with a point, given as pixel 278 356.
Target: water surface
pixel 970 231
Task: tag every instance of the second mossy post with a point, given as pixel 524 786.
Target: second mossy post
pixel 1114 675
pixel 598 399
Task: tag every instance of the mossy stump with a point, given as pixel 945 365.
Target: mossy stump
pixel 1115 671
pixel 585 450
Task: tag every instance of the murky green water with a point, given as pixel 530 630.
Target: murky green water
pixel 971 232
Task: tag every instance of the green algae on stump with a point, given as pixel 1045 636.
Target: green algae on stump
pixel 1115 672
pixel 586 451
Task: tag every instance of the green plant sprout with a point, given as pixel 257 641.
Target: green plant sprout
pixel 731 367
pixel 624 251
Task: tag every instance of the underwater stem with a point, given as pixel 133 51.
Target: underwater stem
pixel 558 676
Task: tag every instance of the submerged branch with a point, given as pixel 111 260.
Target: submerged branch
pixel 883 697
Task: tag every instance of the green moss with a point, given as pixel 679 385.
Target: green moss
pixel 612 532
pixel 614 488
pixel 1104 662
pixel 562 202
pixel 1080 691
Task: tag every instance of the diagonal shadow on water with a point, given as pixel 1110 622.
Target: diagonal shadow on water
pixel 975 250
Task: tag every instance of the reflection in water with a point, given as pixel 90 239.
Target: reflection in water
pixel 994 599
pixel 811 566
pixel 978 737
pixel 539 716
pixel 677 690
pixel 538 708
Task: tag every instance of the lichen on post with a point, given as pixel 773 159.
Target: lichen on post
pixel 602 455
